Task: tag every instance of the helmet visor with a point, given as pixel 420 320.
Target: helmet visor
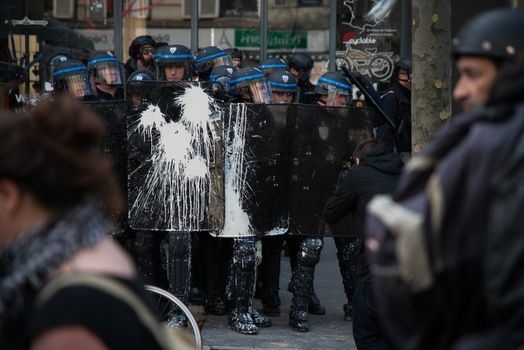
pixel 108 73
pixel 224 60
pixel 337 97
pixel 78 85
pixel 260 91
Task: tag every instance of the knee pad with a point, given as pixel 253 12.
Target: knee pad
pixel 309 253
pixel 179 243
pixel 244 253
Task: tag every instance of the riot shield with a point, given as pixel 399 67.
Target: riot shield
pixel 268 145
pixel 114 115
pixel 174 139
pixel 323 141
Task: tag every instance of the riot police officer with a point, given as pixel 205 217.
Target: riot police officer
pixel 48 69
pixel 284 87
pixel 208 58
pixel 273 64
pixel 250 85
pixel 174 63
pixel 397 105
pixel 333 90
pixel 220 78
pixel 137 96
pixel 71 77
pixel 141 55
pixel 107 75
pixel 300 65
pixel 236 57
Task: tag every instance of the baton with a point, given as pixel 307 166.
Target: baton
pixel 355 81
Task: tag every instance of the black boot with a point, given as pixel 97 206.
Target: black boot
pixel 314 306
pixel 243 284
pixel 298 318
pixel 271 302
pixel 259 319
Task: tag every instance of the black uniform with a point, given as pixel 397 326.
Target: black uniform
pixel 397 105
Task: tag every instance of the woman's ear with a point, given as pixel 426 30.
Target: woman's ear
pixel 10 197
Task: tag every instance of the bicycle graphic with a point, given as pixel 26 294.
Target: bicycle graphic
pixel 376 65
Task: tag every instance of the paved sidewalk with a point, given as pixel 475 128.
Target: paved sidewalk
pixel 328 332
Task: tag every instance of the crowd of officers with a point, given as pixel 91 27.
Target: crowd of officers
pixel 444 235
pixel 274 81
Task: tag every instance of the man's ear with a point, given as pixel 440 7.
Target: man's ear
pixel 10 197
pixel 357 161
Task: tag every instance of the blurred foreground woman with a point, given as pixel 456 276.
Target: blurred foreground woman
pixel 64 284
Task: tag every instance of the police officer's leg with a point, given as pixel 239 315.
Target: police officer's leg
pixel 241 317
pixel 179 270
pixel 270 273
pixel 149 255
pixel 215 277
pixel 346 250
pixel 302 282
pixel 198 241
pixel 294 242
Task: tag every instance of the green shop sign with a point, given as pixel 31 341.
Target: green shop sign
pixel 275 40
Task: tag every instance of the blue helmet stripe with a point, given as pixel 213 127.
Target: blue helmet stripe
pixel 105 59
pixel 67 70
pixel 247 77
pixel 336 83
pixel 218 54
pixel 283 85
pixel 276 65
pixel 184 55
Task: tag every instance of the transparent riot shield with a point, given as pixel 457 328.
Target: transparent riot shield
pixel 114 115
pixel 323 141
pixel 174 139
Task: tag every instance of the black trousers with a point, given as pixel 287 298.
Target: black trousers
pixel 367 332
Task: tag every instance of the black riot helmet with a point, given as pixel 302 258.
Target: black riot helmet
pixel 303 64
pixel 137 43
pixel 334 89
pixel 250 85
pixel 497 34
pixel 236 57
pixel 220 78
pixel 50 65
pixel 208 58
pixel 273 64
pixel 173 56
pixel 105 69
pixel 284 87
pixel 71 78
pixel 138 88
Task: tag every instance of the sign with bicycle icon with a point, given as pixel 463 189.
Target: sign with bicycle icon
pixel 368 42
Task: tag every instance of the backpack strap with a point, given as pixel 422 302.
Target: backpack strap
pixel 166 338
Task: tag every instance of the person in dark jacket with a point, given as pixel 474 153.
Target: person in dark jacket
pixel 396 103
pixel 301 65
pixel 141 55
pixel 448 276
pixel 377 171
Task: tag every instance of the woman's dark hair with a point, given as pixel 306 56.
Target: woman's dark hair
pixel 54 152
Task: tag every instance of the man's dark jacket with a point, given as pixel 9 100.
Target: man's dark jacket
pixel 446 279
pixel 377 172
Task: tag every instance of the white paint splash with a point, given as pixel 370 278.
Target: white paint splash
pixel 237 222
pixel 176 187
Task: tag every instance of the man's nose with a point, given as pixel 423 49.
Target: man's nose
pixel 461 91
